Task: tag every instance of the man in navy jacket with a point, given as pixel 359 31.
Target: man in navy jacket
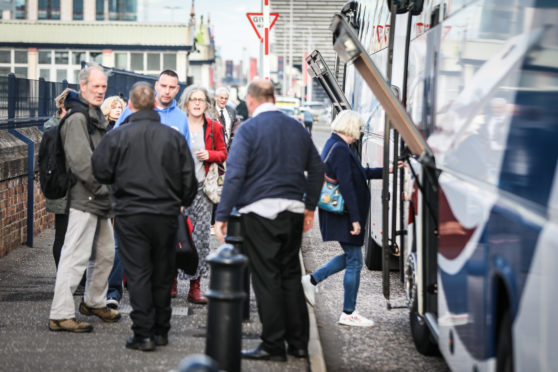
pixel 267 183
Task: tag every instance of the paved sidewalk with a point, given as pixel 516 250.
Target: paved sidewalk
pixel 27 278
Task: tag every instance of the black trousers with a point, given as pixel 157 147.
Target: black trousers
pixel 146 247
pixel 60 227
pixel 272 247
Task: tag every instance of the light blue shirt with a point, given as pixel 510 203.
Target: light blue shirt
pixel 171 116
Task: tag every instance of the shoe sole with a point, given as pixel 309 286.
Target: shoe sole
pixel 356 325
pixel 78 330
pixel 271 358
pixel 140 348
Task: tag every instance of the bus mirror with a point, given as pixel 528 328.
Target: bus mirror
pixel 349 11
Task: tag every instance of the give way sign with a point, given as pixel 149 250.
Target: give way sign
pixel 257 21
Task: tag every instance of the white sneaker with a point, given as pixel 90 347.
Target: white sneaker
pixel 112 303
pixel 212 230
pixel 309 290
pixel 355 319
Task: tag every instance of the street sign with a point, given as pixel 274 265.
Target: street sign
pixel 257 21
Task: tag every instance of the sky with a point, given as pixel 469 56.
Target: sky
pixel 234 36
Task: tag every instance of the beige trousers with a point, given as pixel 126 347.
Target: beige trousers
pixel 89 244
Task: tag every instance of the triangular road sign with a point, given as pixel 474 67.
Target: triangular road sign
pixel 256 19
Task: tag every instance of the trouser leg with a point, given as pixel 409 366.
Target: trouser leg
pixel 60 227
pixel 351 280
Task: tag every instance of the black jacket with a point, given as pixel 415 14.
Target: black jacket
pixel 149 166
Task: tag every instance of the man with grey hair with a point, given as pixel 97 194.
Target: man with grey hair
pixel 89 241
pixel 227 115
pixel 152 175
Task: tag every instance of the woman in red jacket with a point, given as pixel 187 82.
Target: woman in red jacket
pixel 207 146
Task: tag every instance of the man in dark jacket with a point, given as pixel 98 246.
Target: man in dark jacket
pixel 266 181
pixel 152 175
pixel 89 239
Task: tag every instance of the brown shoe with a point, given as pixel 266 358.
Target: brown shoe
pixel 69 325
pixel 194 294
pixel 105 313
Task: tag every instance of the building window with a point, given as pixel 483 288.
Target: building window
pixel 100 10
pixel 153 61
pixel 49 9
pixel 20 56
pixel 121 61
pixel 169 61
pixel 20 72
pixel 78 57
pixel 45 57
pixel 20 9
pixel 136 61
pixel 4 70
pixel 5 56
pixel 123 10
pixel 44 73
pixel 96 57
pixel 78 10
pixel 61 58
pixel 61 75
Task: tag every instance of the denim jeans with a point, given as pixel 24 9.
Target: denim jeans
pixel 351 261
pixel 116 275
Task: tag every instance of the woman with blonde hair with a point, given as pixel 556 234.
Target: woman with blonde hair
pixel 344 166
pixel 112 108
pixel 207 146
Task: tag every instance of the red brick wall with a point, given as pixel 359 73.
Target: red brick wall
pixel 13 213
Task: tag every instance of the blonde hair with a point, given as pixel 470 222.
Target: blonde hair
pixel 59 100
pixel 349 123
pixel 110 102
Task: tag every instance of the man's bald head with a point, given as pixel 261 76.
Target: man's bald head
pixel 259 92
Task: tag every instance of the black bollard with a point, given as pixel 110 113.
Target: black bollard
pixel 235 237
pixel 224 313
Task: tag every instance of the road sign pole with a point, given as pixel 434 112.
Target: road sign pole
pixel 266 68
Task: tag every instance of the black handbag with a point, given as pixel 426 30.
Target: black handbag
pixel 186 253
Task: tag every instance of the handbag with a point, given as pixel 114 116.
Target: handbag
pixel 331 199
pixel 186 252
pixel 215 177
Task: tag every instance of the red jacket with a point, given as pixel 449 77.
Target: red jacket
pixel 214 143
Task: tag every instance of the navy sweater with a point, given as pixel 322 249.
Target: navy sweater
pixel 268 159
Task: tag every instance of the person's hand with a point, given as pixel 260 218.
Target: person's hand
pixel 356 228
pixel 202 155
pixel 221 230
pixel 308 220
pixel 400 164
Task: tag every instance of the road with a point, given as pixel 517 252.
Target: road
pixel 387 346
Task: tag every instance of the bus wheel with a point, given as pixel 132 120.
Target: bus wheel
pixel 504 350
pixel 424 342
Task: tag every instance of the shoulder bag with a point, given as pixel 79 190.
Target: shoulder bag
pixel 331 199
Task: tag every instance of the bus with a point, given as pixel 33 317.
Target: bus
pixel 466 91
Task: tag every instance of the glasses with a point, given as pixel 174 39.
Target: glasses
pixel 197 100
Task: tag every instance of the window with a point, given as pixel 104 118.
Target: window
pixel 20 72
pixel 123 10
pixel 44 73
pixel 76 76
pixel 169 61
pixel 153 61
pixel 96 57
pixel 100 10
pixel 4 71
pixel 78 57
pixel 45 57
pixel 78 10
pixel 121 61
pixel 61 75
pixel 61 58
pixel 20 9
pixel 136 61
pixel 5 56
pixel 49 9
pixel 20 56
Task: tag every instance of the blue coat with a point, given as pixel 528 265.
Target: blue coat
pixel 344 166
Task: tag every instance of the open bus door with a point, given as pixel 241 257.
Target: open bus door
pixel 348 47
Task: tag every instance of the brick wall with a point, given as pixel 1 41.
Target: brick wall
pixel 13 192
pixel 13 213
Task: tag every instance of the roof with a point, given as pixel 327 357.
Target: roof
pixel 100 35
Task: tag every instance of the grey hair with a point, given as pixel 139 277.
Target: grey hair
pixel 222 90
pixel 85 72
pixel 185 97
pixel 348 122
